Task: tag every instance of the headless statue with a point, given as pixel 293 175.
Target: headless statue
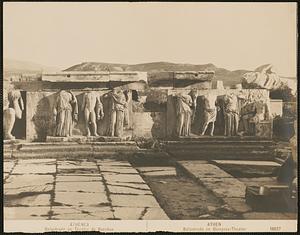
pixel 231 115
pixel 210 113
pixel 184 113
pixel 13 112
pixel 65 113
pixel 91 103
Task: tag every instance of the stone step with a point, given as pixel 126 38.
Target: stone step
pixel 196 155
pixel 218 147
pixel 75 154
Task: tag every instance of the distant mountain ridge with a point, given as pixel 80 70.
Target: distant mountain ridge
pixel 228 77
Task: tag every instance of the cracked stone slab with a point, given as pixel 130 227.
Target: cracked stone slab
pixel 24 213
pixel 118 169
pixel 133 201
pixel 202 170
pixel 86 187
pixel 30 200
pixel 127 190
pixel 76 165
pixel 113 178
pixel 113 163
pixel 82 213
pixel 158 171
pixel 7 166
pixel 84 199
pixel 225 187
pixel 17 184
pixel 78 178
pixel 5 175
pixel 133 213
pixel 238 204
pixel 34 169
pixel 130 185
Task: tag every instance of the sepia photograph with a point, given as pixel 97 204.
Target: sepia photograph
pixel 150 116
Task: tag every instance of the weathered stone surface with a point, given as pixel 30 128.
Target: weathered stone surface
pixel 86 187
pixel 43 161
pixel 24 213
pixel 7 166
pixel 78 178
pixel 108 162
pixel 131 185
pixel 237 204
pixel 114 178
pixel 200 170
pixel 16 184
pixel 134 201
pixel 133 213
pixel 155 214
pixel 158 171
pixel 225 187
pixel 118 169
pixel 5 175
pixel 76 165
pixel 82 213
pixel 34 169
pixel 266 216
pixel 75 199
pixel 31 201
pixel 128 190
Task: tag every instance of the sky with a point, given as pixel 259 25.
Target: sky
pixel 229 35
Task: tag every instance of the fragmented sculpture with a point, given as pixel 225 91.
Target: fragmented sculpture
pixel 65 112
pixel 231 115
pixel 92 109
pixel 13 112
pixel 210 113
pixel 118 105
pixel 184 103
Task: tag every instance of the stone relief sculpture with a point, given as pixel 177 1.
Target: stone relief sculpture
pixel 210 112
pixel 253 111
pixel 13 112
pixel 65 113
pixel 231 115
pixel 184 103
pixel 118 106
pixel 92 109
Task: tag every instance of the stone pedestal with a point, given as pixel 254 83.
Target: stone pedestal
pixel 85 139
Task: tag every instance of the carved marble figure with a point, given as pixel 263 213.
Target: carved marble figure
pixel 92 109
pixel 184 103
pixel 13 112
pixel 210 112
pixel 65 113
pixel 118 105
pixel 231 115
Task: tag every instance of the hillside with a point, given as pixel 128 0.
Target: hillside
pixel 11 66
pixel 228 77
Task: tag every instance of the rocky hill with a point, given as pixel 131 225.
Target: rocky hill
pixel 228 77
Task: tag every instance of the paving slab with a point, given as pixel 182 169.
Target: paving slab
pixel 127 190
pixel 134 201
pixel 34 169
pixel 8 166
pixel 78 178
pixel 30 200
pixel 75 165
pixel 259 181
pixel 202 170
pixel 81 213
pixel 156 171
pixel 76 199
pixel 115 178
pixel 155 214
pixel 118 169
pixel 84 187
pixel 113 163
pixel 38 161
pixel 130 185
pixel 225 187
pixel 17 184
pixel 5 175
pixel 26 213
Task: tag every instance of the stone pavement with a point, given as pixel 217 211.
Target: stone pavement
pixel 52 189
